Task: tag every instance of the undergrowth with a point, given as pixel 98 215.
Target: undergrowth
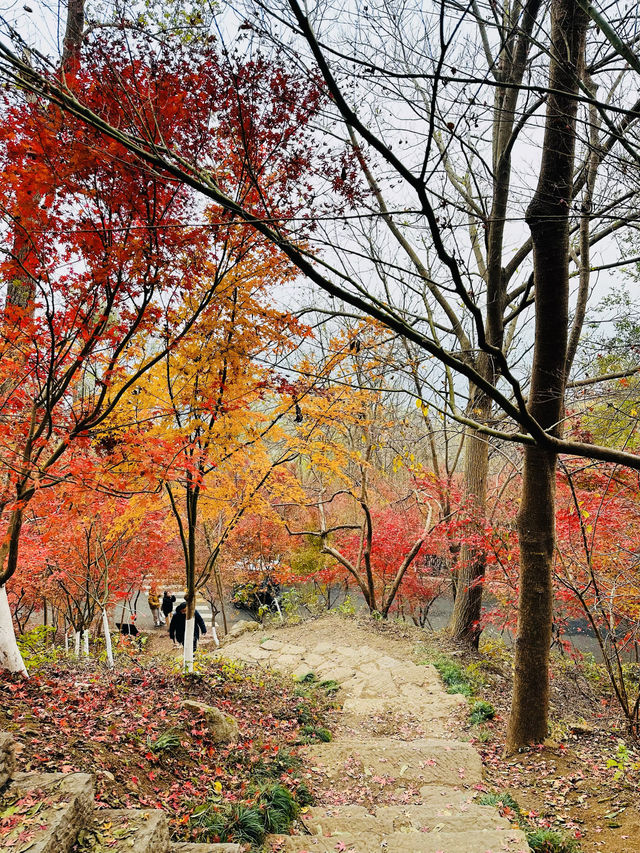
pixel 149 749
pixel 270 808
pixel 539 840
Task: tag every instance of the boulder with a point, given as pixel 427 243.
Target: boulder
pixel 223 728
pixel 7 758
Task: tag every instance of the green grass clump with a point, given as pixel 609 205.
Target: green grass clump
pixel 539 840
pixel 330 686
pixel 311 733
pixel 481 711
pixel 279 808
pixel 245 825
pixel 166 742
pixel 454 676
pixel 37 648
pixel 549 841
pixel 503 799
pixel 303 795
pixel 273 810
pixel 304 714
pixel 283 762
pixel 308 678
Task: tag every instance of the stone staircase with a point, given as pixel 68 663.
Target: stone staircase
pixel 393 779
pixel 50 812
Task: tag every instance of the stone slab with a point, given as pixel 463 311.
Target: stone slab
pixel 179 847
pixel 271 645
pixel 67 805
pixel 419 762
pixel 471 841
pixel 384 820
pixel 126 830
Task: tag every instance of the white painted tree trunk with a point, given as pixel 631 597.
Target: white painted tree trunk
pixel 77 644
pixel 85 643
pixel 66 641
pixel 107 637
pixel 278 609
pixel 188 644
pixel 10 657
pixel 214 631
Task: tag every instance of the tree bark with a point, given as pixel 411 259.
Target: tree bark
pixel 465 624
pixel 10 657
pixel 548 219
pixel 107 638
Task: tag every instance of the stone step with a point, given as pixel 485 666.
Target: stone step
pixel 126 830
pixel 187 847
pixel 439 817
pixel 48 809
pixel 467 841
pixel 426 761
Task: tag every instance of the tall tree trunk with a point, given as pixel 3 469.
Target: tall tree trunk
pixel 548 219
pixel 465 620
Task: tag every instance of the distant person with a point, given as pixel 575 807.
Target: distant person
pixel 167 605
pixel 154 606
pixel 178 624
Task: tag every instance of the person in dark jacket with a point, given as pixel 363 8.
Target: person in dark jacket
pixel 167 605
pixel 179 621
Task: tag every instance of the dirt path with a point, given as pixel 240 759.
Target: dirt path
pixel 393 778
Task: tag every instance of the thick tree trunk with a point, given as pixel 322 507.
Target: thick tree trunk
pixel 10 657
pixel 548 219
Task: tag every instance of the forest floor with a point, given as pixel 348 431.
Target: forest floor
pixel 81 717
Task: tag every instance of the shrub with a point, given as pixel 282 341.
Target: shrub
pixel 481 711
pixel 347 608
pixel 37 649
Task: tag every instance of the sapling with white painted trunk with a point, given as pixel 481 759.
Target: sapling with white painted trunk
pixel 10 656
